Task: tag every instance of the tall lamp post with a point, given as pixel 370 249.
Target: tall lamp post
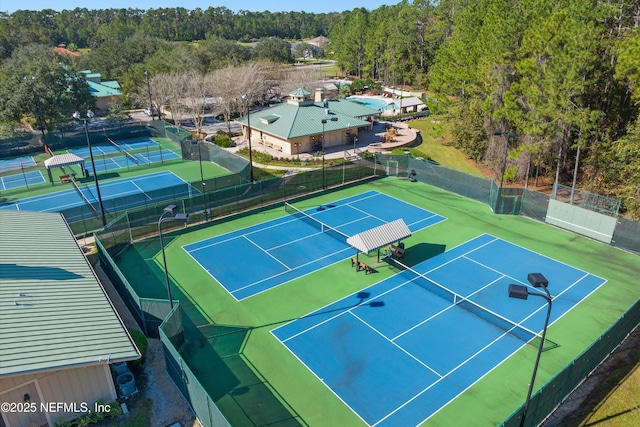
pixel 324 122
pixel 85 121
pixel 245 97
pixel 522 292
pixel 199 143
pixel 170 213
pixel 146 75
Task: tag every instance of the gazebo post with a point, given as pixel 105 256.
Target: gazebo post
pixel 50 176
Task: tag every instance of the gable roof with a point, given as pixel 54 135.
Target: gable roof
pixel 53 311
pixel 380 236
pixel 288 120
pixel 100 89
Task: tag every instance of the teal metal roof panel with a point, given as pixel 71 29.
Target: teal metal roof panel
pixel 300 120
pixel 53 311
pixel 103 89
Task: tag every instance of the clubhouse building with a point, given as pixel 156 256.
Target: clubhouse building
pixel 300 124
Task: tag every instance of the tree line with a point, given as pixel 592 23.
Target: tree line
pixel 561 76
pixel 85 28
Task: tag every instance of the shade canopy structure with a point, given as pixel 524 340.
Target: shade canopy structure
pixel 62 160
pixel 379 237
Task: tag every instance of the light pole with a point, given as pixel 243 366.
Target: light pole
pixel 245 97
pixel 169 214
pixel 508 136
pixel 199 142
pixel 146 75
pixel 324 122
pixel 85 121
pixel 522 292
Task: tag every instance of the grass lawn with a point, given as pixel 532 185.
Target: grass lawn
pixel 437 144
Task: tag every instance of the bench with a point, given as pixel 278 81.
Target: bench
pixel 365 267
pixel 396 251
pixel 354 263
pixel 67 178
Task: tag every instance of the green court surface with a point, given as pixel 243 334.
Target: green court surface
pixel 232 364
pixel 189 171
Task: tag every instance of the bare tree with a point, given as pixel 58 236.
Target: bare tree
pixel 194 98
pixel 308 77
pixel 167 90
pixel 228 85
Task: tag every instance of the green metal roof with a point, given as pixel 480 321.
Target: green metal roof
pixel 102 89
pixel 294 121
pixel 53 311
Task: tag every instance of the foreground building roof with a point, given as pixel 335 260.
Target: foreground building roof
pixel 54 312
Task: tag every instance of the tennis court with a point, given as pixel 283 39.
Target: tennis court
pixel 287 248
pixel 138 188
pixel 105 164
pixel 400 350
pixel 16 163
pixel 23 179
pixel 116 147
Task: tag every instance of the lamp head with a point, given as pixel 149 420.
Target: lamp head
pixel 90 114
pixel 537 280
pixel 171 209
pixel 245 97
pixel 518 291
pixel 334 119
pixel 76 115
pixel 181 217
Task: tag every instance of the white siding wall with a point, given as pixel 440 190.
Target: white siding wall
pixel 78 385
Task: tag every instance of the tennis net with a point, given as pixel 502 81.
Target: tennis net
pixel 479 311
pixel 125 152
pixel 84 198
pixel 338 235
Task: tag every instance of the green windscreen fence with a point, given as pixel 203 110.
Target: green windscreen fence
pixel 547 399
pixel 228 389
pixel 148 312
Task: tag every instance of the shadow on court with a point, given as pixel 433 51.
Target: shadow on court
pixel 215 353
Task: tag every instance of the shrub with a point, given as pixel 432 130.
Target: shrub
pixel 141 342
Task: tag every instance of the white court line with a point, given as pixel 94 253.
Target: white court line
pixel 265 251
pixel 284 272
pixel 394 344
pixel 141 190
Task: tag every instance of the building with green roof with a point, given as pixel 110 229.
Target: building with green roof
pixel 59 331
pixel 104 92
pixel 298 124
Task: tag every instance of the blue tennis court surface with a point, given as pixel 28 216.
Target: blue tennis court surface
pixel 129 145
pixel 140 190
pixel 402 349
pixel 21 180
pixel 105 164
pixel 16 163
pixel 287 248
